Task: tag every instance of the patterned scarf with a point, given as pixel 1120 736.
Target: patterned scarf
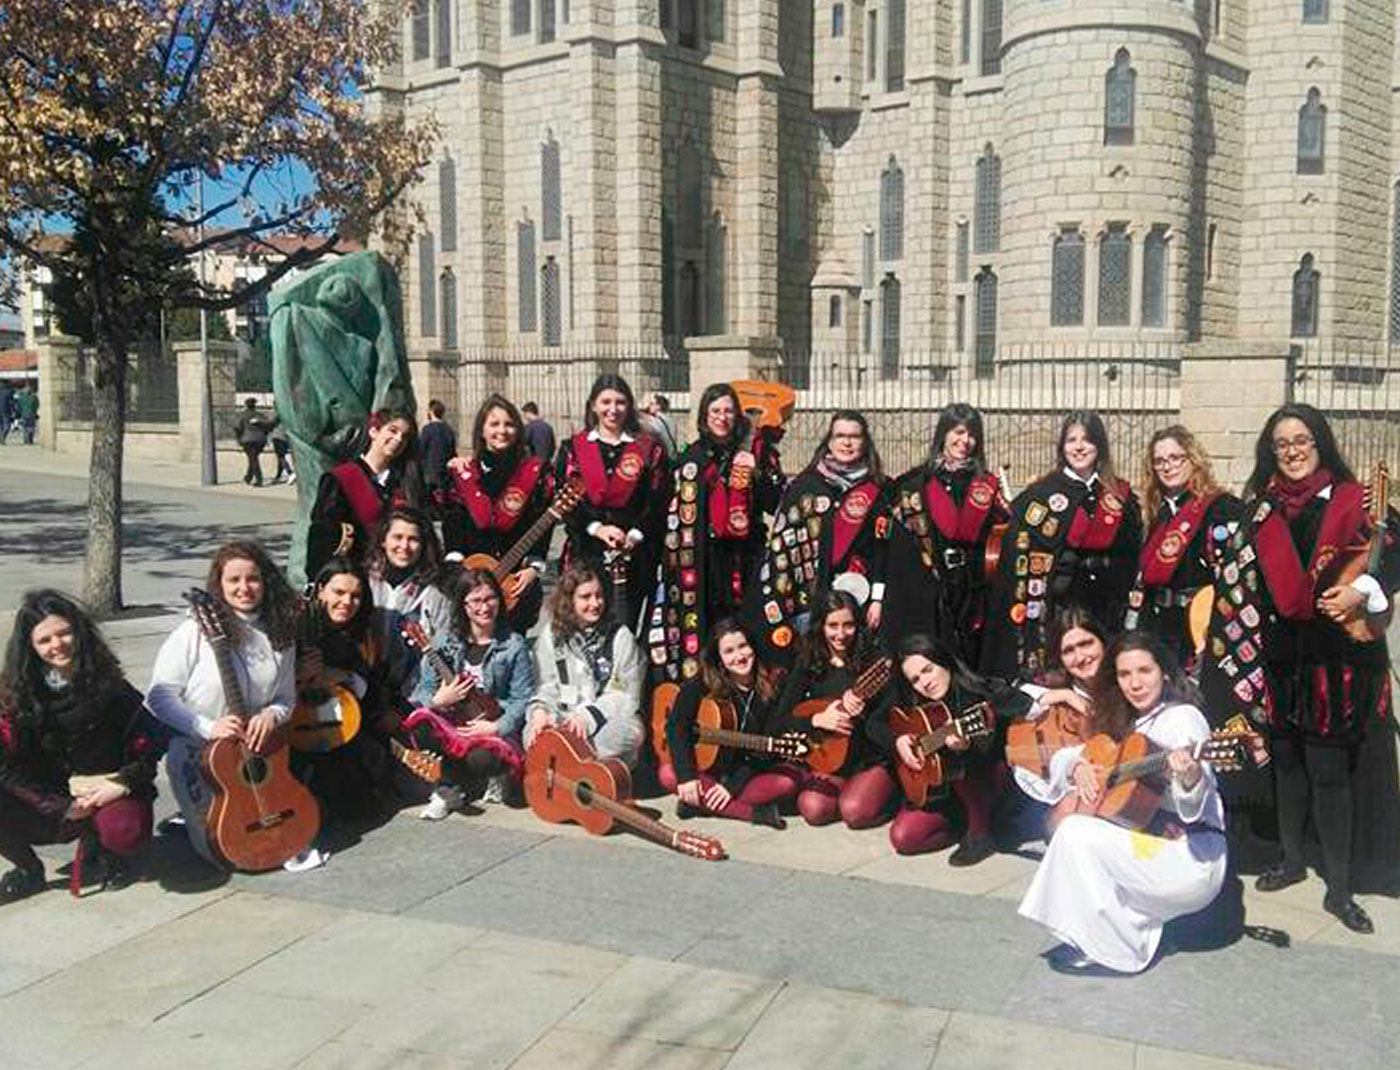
pixel 844 476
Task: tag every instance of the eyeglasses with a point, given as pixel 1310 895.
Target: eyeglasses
pixel 1302 443
pixel 1171 460
pixel 485 601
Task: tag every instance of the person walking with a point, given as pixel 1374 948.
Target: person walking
pixel 251 432
pixel 439 441
pixel 539 435
pixel 7 396
pixel 282 447
pixel 27 408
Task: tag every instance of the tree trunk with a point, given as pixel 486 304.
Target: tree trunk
pixel 102 580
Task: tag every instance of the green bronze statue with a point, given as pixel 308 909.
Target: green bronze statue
pixel 338 355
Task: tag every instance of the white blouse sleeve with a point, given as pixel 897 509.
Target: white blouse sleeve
pixel 175 664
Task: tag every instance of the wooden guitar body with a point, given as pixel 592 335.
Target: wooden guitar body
pixel 920 784
pixel 663 697
pixel 321 724
pixel 712 714
pixel 829 750
pixel 991 553
pixel 1132 804
pixel 1031 744
pixel 555 757
pixel 261 815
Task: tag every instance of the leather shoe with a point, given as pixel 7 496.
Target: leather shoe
pixel 767 815
pixel 1279 877
pixel 1068 959
pixel 1352 915
pixel 970 852
pixel 684 811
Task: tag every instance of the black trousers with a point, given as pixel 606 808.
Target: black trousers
pixel 1314 779
pixel 254 473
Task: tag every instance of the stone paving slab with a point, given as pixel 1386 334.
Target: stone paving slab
pixel 579 1050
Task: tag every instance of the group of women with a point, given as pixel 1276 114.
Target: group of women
pixel 819 610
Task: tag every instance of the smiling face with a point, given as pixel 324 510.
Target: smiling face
pixel 342 595
pixel 241 584
pixel 482 604
pixel 53 640
pixel 1081 653
pixel 1140 679
pixel 589 602
pixel 1295 449
pixel 737 656
pixel 929 679
pixel 1172 465
pixel 959 443
pixel 846 441
pixel 499 431
pixel 1080 452
pixel 839 631
pixel 720 418
pixel 403 543
pixel 610 406
pixel 388 441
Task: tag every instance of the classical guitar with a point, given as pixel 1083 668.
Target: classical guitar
pixel 260 815
pixel 1134 773
pixel 327 715
pixel 1030 744
pixel 477 705
pixel 717 727
pixel 1365 559
pixel 513 582
pixel 424 764
pixel 829 750
pixel 932 725
pixel 565 781
pixel 770 404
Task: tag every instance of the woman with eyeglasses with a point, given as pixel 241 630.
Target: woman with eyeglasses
pixel 1189 520
pixel 1073 540
pixel 1288 642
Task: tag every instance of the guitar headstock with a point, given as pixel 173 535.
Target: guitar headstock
pixel 792 745
pixel 698 846
pixel 414 635
pixel 424 764
pixel 1234 748
pixel 208 614
pixel 873 677
pixel 977 722
pixel 569 497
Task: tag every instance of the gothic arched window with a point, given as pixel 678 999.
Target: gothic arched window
pixel 986 226
pixel 985 337
pixel 447 203
pixel 550 299
pixel 892 211
pixel 520 17
pixel 525 267
pixel 420 21
pixel 1307 282
pixel 1119 100
pixel 1067 279
pixel 1312 132
pixel 447 287
pixel 716 279
pixel 551 209
pixel 890 298
pixel 1395 267
pixel 991 36
pixel 894 45
pixel 690 196
pixel 444 32
pixel 427 306
pixel 547 27
pixel 1116 277
pixel 1154 278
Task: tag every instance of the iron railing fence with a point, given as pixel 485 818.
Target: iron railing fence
pixel 1356 385
pixel 152 389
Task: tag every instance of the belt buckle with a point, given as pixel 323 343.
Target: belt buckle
pixel 954 557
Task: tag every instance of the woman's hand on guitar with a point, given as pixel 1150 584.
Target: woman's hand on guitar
pixel 258 734
pixel 908 751
pixel 1086 782
pixel 478 727
pixel 579 724
pixel 690 792
pixel 853 704
pixel 80 809
pixel 717 798
pixel 957 742
pixel 535 722
pixel 1185 769
pixel 834 719
pixel 1342 603
pixel 523 579
pixel 1064 696
pixel 226 727
pixel 449 694
pixel 612 536
pixel 102 795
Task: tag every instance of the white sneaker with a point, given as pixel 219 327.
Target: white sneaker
pixel 495 790
pixel 311 858
pixel 444 801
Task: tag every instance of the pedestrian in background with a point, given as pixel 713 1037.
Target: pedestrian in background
pixel 282 447
pixel 251 433
pixel 656 421
pixel 439 446
pixel 26 406
pixel 539 435
pixel 7 397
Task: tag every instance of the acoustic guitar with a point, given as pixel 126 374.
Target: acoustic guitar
pixel 260 815
pixel 717 727
pixel 477 705
pixel 829 750
pixel 565 781
pixel 513 582
pixel 1134 773
pixel 1365 559
pixel 327 715
pixel 1030 744
pixel 932 725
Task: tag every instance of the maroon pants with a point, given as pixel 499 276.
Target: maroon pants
pixel 770 786
pixel 920 831
pixel 122 827
pixel 862 800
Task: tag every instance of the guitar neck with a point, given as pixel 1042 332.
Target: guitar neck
pixel 439 664
pixel 517 553
pixel 930 742
pixel 727 737
pixel 637 822
pixel 869 682
pixel 1152 765
pixel 228 679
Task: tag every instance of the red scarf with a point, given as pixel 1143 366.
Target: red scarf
pixel 616 490
pixel 963 524
pixel 361 492
pixel 850 517
pixel 1292 588
pixel 1166 545
pixel 729 506
pixel 1098 531
pixel 503 513
pixel 1292 496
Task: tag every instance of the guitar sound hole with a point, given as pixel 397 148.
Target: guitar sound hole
pixel 583 792
pixel 254 770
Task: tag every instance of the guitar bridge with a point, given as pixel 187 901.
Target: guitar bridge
pixel 269 821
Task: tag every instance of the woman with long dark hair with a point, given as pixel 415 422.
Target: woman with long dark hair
pixel 1073 539
pixel 187 693
pixel 353 496
pixel 744 785
pixel 1189 520
pixel 495 496
pixel 77 752
pixel 405 571
pixel 835 651
pixel 944 510
pixel 488 660
pixel 1106 891
pixel 627 483
pixel 830 533
pixel 726 481
pixel 1298 631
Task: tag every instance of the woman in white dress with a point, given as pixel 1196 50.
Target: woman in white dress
pixel 1104 890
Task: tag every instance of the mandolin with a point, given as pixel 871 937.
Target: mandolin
pixel 261 815
pixel 565 781
pixel 513 582
pixel 829 750
pixel 477 705
pixel 1133 773
pixel 932 725
pixel 1030 744
pixel 716 727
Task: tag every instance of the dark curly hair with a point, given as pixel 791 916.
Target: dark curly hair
pixel 429 565
pixel 1113 713
pixel 281 605
pixel 1329 455
pixel 96 669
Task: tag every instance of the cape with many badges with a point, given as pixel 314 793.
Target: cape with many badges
pixel 818 533
pixel 1036 578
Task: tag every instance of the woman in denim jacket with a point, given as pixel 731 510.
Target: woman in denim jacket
pixel 493 671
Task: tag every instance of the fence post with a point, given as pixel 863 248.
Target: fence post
pixel 52 352
pixel 1228 390
pixel 722 358
pixel 190 378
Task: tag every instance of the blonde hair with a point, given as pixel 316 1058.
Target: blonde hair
pixel 1201 483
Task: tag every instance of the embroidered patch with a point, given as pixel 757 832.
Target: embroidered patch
pixel 688 492
pixel 981 495
pixel 1249 617
pixel 513 500
pixel 772 612
pixel 1058 503
pixel 857 504
pixel 1049 528
pixel 630 467
pixel 782 637
pixel 689 470
pixel 738 520
pixel 1171 546
pixel 1035 514
pixel 1018 613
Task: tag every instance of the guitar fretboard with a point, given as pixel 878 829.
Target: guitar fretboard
pixel 869 682
pixel 547 519
pixel 639 822
pixel 727 737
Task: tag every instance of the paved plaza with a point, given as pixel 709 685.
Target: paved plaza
pixel 494 940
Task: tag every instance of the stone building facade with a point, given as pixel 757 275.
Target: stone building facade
pixel 892 177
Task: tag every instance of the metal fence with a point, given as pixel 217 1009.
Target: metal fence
pixel 1357 386
pixel 151 383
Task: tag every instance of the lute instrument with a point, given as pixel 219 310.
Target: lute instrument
pixel 1133 774
pixel 717 728
pixel 769 404
pixel 513 582
pixel 565 781
pixel 261 815
pixel 829 750
pixel 932 725
pixel 1030 744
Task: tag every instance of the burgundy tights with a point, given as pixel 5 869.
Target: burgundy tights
pixel 122 827
pixel 770 786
